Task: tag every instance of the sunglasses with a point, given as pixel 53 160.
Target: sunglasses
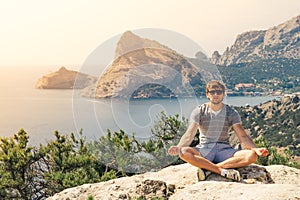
pixel 218 92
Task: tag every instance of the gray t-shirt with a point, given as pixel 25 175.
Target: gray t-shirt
pixel 214 126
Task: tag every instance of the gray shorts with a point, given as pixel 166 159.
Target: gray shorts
pixel 216 152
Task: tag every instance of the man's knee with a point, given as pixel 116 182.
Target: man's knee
pixel 187 152
pixel 248 156
pixel 251 157
pixel 184 153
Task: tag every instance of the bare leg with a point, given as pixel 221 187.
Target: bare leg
pixel 239 159
pixel 193 157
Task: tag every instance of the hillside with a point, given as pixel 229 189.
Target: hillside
pixel 277 120
pixel 268 76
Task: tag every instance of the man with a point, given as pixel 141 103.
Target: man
pixel 214 154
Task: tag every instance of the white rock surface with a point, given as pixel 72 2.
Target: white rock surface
pixel 180 182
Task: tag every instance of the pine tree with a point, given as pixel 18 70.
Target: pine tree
pixel 20 169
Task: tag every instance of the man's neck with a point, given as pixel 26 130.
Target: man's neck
pixel 215 107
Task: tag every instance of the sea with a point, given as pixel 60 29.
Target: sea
pixel 42 112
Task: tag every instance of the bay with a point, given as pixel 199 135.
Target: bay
pixel 41 112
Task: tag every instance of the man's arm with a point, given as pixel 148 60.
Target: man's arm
pixel 189 135
pixel 185 140
pixel 244 138
pixel 247 142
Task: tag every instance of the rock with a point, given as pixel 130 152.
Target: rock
pixel 180 182
pixel 65 79
pixel 212 190
pixel 201 56
pixel 149 189
pixel 144 68
pixel 252 174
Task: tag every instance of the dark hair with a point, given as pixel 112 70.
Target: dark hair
pixel 214 84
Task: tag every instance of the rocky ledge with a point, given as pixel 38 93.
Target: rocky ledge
pixel 180 182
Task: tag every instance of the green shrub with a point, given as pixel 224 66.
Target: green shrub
pixel 275 158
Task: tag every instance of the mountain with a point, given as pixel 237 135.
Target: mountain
pixel 180 182
pixel 144 68
pixel 65 79
pixel 282 41
pixel 131 42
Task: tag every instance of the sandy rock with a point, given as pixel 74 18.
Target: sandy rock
pixel 236 191
pixel 180 182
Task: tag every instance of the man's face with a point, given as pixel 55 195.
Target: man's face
pixel 215 95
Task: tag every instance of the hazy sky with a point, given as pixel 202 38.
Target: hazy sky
pixel 64 32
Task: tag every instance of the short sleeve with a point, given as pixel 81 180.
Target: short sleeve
pixel 235 116
pixel 195 115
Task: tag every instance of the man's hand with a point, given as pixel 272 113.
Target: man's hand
pixel 174 150
pixel 263 152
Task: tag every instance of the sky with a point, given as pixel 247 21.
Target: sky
pixel 64 32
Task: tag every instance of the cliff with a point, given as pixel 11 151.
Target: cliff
pixel 282 41
pixel 144 68
pixel 147 66
pixel 65 79
pixel 180 182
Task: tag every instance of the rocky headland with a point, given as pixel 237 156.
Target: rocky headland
pixel 144 68
pixel 65 79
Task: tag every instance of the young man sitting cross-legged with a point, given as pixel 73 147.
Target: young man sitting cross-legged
pixel 213 153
